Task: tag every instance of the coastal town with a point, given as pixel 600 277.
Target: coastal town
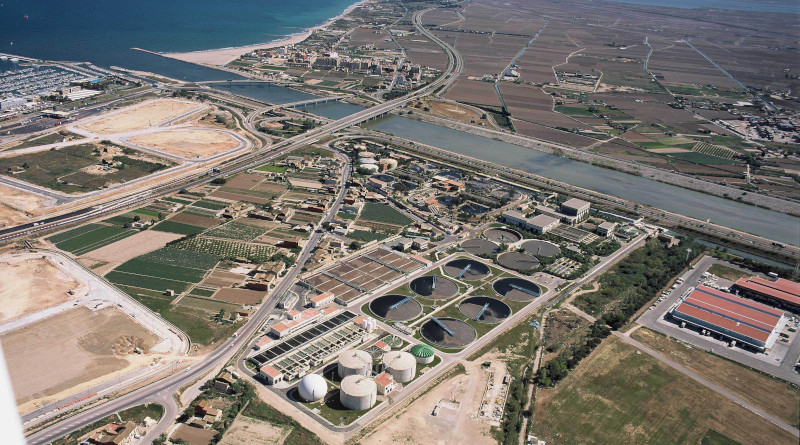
pixel 417 222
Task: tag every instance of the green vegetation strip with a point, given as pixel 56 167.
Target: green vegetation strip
pixel 176 227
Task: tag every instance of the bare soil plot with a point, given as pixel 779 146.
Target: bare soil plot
pixel 195 220
pixel 246 430
pixel 188 144
pixel 551 134
pixel 551 48
pixel 423 51
pixel 473 91
pixel 32 285
pixel 192 435
pixel 240 296
pixel 140 116
pixel 531 104
pixel 17 206
pixel 70 349
pixel 488 54
pixel 133 246
pixel 457 422
pixel 680 64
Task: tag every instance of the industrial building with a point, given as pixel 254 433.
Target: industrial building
pixel 606 228
pixel 322 299
pixel 401 365
pixel 358 392
pixel 385 382
pixel 577 208
pixel 293 357
pixel 537 224
pixel 312 388
pixel 777 292
pixel 354 362
pixel 737 319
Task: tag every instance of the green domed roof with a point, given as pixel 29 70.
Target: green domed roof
pixel 423 351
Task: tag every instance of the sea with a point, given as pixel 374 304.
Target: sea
pixel 104 31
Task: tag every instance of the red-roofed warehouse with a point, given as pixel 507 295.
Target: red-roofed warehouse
pixel 779 292
pixel 735 318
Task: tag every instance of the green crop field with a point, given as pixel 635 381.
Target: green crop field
pixel 704 159
pixel 162 269
pixel 228 249
pixel 574 111
pixel 176 227
pixel 119 220
pixel 178 201
pixel 236 231
pixel 63 236
pixel 86 241
pixel 384 214
pixel 208 204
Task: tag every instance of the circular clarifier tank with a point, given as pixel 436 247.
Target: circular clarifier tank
pixel 434 286
pixel 502 235
pixel 448 332
pixel 485 309
pixel 467 269
pixel 395 307
pixel 479 246
pixel 517 289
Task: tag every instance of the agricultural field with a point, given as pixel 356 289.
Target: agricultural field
pixel 163 269
pixel 228 249
pixel 383 213
pixel 77 169
pixel 619 395
pixel 366 236
pixel 235 230
pixel 86 238
pixel 177 227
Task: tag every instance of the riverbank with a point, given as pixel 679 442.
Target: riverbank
pixel 223 56
pixel 645 171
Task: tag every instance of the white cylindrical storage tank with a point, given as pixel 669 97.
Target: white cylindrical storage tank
pixel 354 362
pixel 401 365
pixel 312 387
pixel 358 392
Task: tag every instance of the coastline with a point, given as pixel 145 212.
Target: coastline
pixel 223 56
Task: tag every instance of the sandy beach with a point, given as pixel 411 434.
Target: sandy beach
pixel 223 56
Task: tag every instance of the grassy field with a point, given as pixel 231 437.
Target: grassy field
pixel 90 237
pixel 208 204
pixel 383 213
pixel 574 111
pixel 726 272
pixel 772 395
pixel 176 227
pixel 365 236
pixel 271 168
pixel 257 409
pixel 617 395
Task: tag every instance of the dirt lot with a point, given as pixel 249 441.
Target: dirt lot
pixel 133 246
pixel 240 296
pixel 71 349
pixel 32 285
pixel 140 116
pixel 256 432
pixel 188 143
pixel 192 435
pixel 17 206
pixel 457 422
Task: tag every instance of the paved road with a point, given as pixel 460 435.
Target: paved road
pixel 713 386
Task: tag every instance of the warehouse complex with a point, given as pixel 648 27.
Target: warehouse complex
pixel 778 292
pixel 736 319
